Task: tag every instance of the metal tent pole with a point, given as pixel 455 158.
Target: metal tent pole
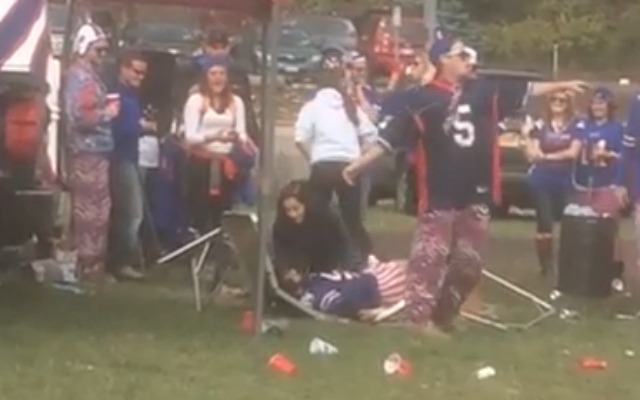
pixel 266 201
pixel 430 10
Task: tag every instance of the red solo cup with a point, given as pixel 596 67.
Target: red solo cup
pixel 248 322
pixel 113 99
pixel 280 363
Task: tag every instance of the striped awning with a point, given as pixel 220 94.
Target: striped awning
pixel 24 41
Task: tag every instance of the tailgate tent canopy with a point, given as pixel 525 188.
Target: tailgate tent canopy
pixel 24 47
pixel 268 13
pixel 258 9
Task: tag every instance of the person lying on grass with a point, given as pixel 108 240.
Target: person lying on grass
pixel 368 295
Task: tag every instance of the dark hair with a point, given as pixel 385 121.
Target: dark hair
pixel 130 56
pixel 611 109
pixel 297 189
pixel 217 37
pixel 335 79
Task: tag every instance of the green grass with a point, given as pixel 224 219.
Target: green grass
pixel 146 342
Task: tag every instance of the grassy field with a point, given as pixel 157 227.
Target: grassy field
pixel 146 342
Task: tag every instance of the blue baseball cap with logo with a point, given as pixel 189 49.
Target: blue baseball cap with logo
pixel 446 45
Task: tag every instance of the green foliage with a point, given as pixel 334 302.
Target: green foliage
pixel 589 33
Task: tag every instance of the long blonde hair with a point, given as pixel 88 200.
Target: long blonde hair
pixel 569 112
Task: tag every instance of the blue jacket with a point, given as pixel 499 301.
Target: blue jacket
pixel 126 126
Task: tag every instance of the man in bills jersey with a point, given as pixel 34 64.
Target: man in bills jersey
pixel 453 125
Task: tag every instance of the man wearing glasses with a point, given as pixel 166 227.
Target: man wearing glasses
pixel 127 193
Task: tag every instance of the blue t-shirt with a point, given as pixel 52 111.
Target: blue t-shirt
pixel 595 136
pixel 554 173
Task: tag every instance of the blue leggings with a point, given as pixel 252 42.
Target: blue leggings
pixel 550 203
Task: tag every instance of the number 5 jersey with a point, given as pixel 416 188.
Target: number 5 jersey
pixel 455 132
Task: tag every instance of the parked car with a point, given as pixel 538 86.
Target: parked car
pixel 332 35
pixel 393 176
pixel 297 56
pixel 170 37
pixel 378 42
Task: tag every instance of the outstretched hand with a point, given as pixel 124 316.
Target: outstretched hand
pixel 349 174
pixel 575 87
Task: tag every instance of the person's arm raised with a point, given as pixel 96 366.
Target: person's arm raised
pixel 393 132
pixel 544 88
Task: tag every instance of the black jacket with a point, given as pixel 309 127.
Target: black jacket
pixel 319 244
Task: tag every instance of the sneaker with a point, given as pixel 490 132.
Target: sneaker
pixel 129 273
pixel 617 285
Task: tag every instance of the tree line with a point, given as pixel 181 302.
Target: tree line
pixel 591 35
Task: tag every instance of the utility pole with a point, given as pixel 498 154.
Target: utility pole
pixel 430 10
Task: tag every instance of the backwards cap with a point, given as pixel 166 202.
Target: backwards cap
pixel 442 46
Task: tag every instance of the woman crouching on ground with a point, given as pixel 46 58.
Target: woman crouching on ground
pixel 551 146
pixel 599 174
pixel 215 126
pixel 307 234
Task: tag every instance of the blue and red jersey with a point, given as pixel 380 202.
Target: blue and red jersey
pixel 554 173
pixel 592 172
pixel 341 293
pixel 631 149
pixel 455 132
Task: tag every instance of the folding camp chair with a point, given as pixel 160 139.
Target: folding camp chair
pixel 242 230
pixel 201 249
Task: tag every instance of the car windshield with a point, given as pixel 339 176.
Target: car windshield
pixel 57 15
pixel 294 39
pixel 164 33
pixel 321 26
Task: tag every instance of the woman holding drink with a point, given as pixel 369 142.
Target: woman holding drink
pixel 89 110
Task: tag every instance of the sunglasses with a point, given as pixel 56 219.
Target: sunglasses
pixel 101 50
pixel 139 72
pixel 559 100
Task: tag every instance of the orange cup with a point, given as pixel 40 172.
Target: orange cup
pixel 248 322
pixel 404 368
pixel 280 363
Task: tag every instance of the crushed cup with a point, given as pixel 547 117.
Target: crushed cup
pixel 280 363
pixel 396 365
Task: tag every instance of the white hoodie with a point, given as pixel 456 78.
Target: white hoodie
pixel 324 125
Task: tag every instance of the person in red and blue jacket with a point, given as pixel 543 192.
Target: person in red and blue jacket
pixel 599 171
pixel 453 124
pixel 631 157
pixel 552 145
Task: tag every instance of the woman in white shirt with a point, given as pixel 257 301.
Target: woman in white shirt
pixel 214 124
pixel 330 132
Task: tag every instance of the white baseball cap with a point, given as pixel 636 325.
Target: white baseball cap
pixel 87 35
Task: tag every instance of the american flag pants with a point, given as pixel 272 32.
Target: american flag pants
pixel 445 263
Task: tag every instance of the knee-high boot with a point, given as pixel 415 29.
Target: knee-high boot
pixel 544 251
